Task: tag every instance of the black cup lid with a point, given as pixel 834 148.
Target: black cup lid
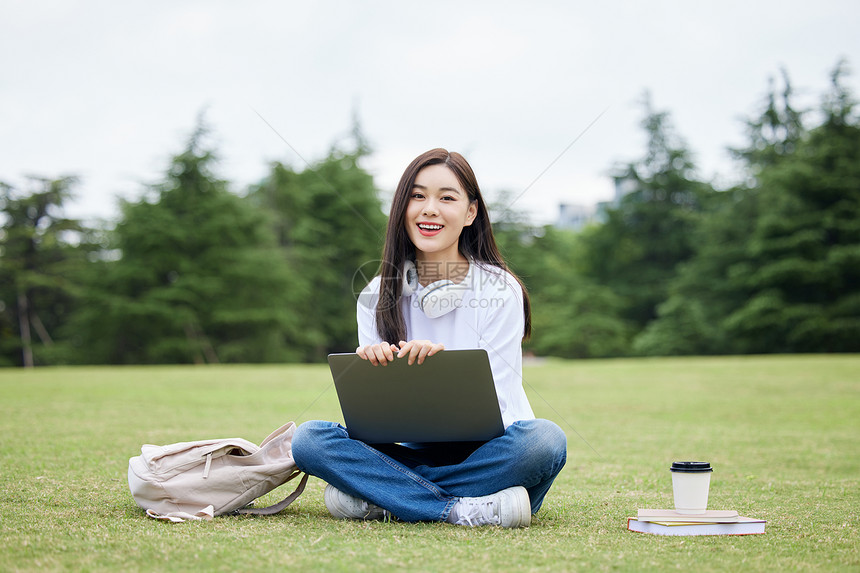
pixel 691 467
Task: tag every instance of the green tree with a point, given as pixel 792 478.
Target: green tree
pixel 774 132
pixel 330 225
pixel 705 289
pixel 803 257
pixel 635 252
pixel 572 316
pixel 712 284
pixel 777 261
pixel 199 277
pixel 42 251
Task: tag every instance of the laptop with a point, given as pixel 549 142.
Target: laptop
pixel 449 398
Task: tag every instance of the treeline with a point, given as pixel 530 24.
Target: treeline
pixel 194 273
pixel 679 268
pixel 191 273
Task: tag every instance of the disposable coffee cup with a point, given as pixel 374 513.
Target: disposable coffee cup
pixel 690 484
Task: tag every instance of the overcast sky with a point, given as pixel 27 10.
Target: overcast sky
pixel 110 90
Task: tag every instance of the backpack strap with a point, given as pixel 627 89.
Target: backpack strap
pixel 273 509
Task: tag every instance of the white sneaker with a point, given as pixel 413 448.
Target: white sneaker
pixel 344 506
pixel 509 508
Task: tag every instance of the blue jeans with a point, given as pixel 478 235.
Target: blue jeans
pixel 421 482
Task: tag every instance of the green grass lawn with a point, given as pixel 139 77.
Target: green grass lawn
pixel 781 432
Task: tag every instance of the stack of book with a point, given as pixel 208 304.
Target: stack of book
pixel 670 522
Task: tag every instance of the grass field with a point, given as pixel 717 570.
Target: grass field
pixel 781 432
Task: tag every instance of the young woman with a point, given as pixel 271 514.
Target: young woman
pixel 439 227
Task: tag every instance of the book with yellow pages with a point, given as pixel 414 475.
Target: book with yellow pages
pixel 712 516
pixel 668 522
pixel 744 526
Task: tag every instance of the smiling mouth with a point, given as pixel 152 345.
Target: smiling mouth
pixel 429 229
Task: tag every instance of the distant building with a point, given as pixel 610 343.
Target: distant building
pixel 623 186
pixel 573 217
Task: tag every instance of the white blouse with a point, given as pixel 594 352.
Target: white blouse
pixel 490 316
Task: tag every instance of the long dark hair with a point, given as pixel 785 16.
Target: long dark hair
pixel 476 242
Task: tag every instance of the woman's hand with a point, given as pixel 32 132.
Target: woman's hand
pixel 383 353
pixel 378 354
pixel 418 349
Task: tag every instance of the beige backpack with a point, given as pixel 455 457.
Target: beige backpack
pixel 199 480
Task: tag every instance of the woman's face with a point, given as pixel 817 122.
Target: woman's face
pixel 437 211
